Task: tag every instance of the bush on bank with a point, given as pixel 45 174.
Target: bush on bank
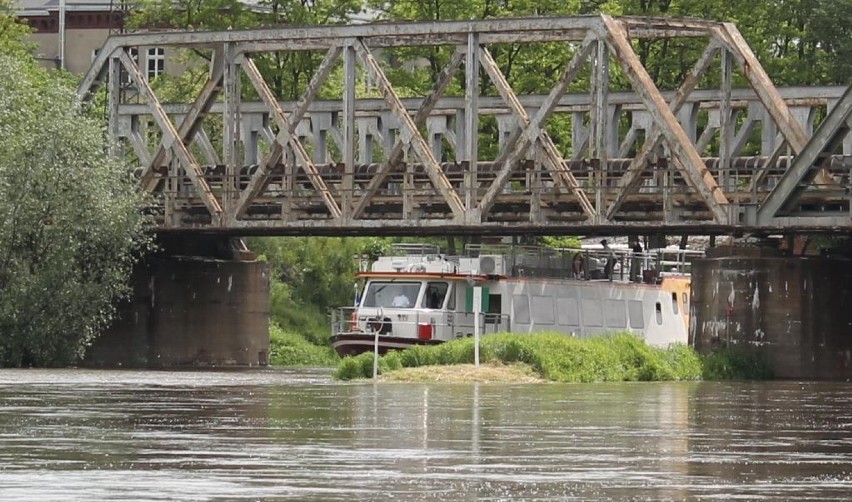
pixel 554 356
pixel 292 349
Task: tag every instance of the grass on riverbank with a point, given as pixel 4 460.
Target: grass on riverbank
pixel 552 356
pixel 466 373
pixel 292 349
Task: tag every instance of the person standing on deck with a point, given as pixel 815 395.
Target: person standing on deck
pixel 610 259
pixel 636 262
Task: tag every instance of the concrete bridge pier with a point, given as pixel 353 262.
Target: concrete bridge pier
pixel 201 301
pixel 795 311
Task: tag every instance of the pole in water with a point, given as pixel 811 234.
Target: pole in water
pixel 376 356
pixel 477 309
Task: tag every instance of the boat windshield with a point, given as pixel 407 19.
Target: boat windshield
pixel 391 294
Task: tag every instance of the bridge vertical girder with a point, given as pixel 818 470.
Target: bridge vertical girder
pixel 471 121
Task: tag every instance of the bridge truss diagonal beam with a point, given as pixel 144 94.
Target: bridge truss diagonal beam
pixel 173 138
pixel 423 111
pixel 530 131
pixel 806 165
pixel 285 135
pixel 684 152
pixel 630 180
pixel 409 132
pixel 191 124
pixel 763 86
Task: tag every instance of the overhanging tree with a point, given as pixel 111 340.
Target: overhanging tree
pixel 70 219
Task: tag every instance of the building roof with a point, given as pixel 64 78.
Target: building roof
pixel 27 8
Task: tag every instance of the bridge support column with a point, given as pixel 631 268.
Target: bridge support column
pixel 192 310
pixel 794 311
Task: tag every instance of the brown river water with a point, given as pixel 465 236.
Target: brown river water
pixel 299 435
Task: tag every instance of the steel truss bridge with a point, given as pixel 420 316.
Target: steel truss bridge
pixel 704 158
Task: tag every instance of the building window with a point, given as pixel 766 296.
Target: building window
pixel 133 52
pixel 156 62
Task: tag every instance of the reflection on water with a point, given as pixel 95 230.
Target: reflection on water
pixel 110 435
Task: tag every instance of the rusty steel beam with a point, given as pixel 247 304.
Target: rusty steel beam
pixel 550 153
pixel 753 71
pixel 694 171
pixel 409 132
pixel 825 140
pixel 191 123
pixel 173 139
pixel 628 182
pixel 420 117
pixel 286 134
pixel 284 126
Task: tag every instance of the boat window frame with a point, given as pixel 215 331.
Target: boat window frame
pixel 425 295
pixel 412 302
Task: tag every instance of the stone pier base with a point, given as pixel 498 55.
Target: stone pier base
pixel 794 311
pixel 191 312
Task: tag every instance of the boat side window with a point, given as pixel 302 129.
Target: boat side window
pixel 391 294
pixel 434 296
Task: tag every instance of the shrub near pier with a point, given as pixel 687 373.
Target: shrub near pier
pixel 554 356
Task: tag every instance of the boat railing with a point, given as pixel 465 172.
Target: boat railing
pixel 590 264
pixel 414 248
pixel 358 320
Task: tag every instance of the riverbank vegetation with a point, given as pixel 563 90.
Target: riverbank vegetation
pixel 71 219
pixel 559 358
pixel 288 348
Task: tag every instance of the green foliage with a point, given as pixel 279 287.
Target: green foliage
pixel 190 14
pixel 735 364
pixel 12 32
pixel 562 241
pixel 351 368
pixel 291 349
pixel 310 278
pixel 70 219
pixel 554 356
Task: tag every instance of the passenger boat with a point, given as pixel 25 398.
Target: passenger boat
pixel 419 296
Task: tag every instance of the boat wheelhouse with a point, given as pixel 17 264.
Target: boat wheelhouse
pixel 420 296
